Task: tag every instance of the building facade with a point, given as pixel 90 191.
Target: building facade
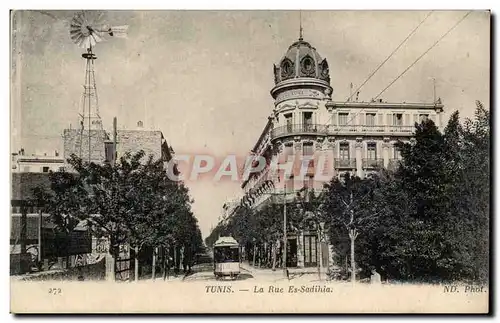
pixel 319 135
pixel 36 163
pixel 99 143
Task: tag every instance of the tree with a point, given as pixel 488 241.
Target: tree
pixel 132 203
pixel 477 181
pixel 347 210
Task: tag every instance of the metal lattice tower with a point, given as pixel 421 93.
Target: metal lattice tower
pixel 86 30
pixel 90 120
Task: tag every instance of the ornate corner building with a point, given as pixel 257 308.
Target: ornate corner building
pixel 351 136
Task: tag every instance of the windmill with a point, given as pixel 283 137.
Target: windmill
pixel 86 30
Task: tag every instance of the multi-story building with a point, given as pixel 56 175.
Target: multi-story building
pixel 351 136
pixel 31 172
pixel 36 163
pixel 152 142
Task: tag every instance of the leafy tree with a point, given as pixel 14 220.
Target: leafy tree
pixel 349 208
pixel 477 183
pixel 131 203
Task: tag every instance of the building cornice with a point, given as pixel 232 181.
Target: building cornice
pixel 385 105
pixel 40 160
pixel 300 83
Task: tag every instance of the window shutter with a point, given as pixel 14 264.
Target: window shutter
pixel 334 118
pixel 361 119
pixel 380 119
pixel 415 118
pixel 390 120
pixel 407 121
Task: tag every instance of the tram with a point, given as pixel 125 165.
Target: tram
pixel 226 258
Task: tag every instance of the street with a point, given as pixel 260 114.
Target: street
pixel 203 271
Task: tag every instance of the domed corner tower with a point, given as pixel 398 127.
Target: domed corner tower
pixel 302 87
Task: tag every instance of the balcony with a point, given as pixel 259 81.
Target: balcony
pixel 369 163
pixel 345 163
pixel 400 129
pixel 298 129
pixel 321 129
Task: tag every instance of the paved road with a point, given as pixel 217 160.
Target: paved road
pixel 203 271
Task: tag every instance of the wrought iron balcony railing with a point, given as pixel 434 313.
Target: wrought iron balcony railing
pixel 373 163
pixel 345 163
pixel 305 129
pixel 298 129
pixel 400 129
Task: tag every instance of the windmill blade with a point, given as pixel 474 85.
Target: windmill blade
pixel 84 42
pixel 99 19
pixel 78 19
pixel 76 38
pixel 96 37
pixel 91 41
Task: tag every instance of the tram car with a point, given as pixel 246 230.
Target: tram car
pixel 226 258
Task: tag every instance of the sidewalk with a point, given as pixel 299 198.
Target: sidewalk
pixel 310 274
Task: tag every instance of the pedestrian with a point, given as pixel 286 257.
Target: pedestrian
pixel 375 277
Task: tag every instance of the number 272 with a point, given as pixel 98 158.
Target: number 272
pixel 54 291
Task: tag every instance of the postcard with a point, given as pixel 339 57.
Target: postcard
pixel 203 161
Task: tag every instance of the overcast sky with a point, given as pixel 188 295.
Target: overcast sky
pixel 203 77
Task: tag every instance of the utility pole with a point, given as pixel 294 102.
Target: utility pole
pixel 40 219
pixel 353 234
pixel 110 258
pixel 320 253
pixel 114 142
pixel 434 84
pixel 285 239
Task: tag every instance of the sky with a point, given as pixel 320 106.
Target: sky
pixel 203 77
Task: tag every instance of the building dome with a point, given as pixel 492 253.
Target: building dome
pixel 301 60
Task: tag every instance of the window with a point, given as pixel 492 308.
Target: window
pixel 370 119
pixel 286 68
pixel 310 253
pixel 289 184
pixel 288 152
pixel 288 121
pixel 344 150
pixel 307 120
pixel 372 150
pixel 226 254
pixel 343 118
pixel 397 153
pixel 423 117
pixel 45 169
pixel 62 169
pixel 397 119
pixel 307 149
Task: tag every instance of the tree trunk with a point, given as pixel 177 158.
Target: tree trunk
pixel 274 255
pixel 164 263
pixel 153 274
pixel 111 262
pixel 254 254
pixel 353 263
pixel 175 260
pixel 320 256
pixel 136 264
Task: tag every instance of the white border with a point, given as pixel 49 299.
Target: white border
pixel 214 5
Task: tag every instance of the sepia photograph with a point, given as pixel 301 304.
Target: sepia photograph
pixel 250 161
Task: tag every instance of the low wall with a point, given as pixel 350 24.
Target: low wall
pixel 94 272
